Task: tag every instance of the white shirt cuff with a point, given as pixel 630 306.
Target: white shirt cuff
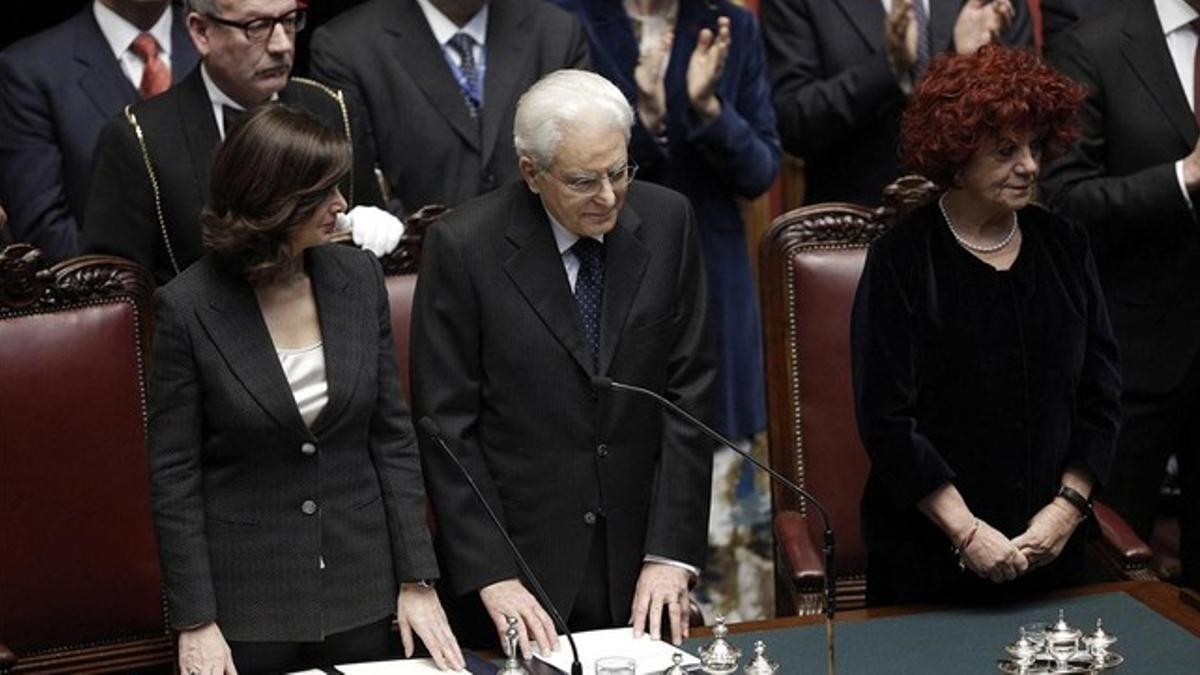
pixel 674 563
pixel 1182 185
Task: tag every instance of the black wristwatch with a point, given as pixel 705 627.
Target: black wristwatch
pixel 1081 503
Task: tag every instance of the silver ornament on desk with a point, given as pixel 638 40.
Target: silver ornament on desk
pixel 720 657
pixel 512 666
pixel 677 668
pixel 760 664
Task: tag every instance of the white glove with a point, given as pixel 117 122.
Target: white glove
pixel 372 228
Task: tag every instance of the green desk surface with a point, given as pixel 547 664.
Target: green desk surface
pixel 971 641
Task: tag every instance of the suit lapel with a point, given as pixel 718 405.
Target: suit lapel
pixel 506 50
pixel 625 264
pixel 235 325
pixel 340 315
pixel 419 53
pixel 183 54
pixel 943 14
pixel 199 129
pixel 610 26
pixel 867 17
pixel 536 269
pixel 1146 53
pixel 100 75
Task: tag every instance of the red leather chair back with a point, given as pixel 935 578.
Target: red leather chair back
pixel 79 576
pixel 810 263
pixel 400 289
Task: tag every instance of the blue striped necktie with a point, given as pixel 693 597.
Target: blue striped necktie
pixel 464 46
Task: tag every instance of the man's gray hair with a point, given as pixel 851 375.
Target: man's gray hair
pixel 560 99
pixel 203 6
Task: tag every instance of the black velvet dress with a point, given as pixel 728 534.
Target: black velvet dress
pixel 992 380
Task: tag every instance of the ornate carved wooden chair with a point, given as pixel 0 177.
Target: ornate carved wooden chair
pixel 80 588
pixel 810 263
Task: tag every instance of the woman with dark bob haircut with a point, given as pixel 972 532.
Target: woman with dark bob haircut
pixel 285 481
pixel 985 370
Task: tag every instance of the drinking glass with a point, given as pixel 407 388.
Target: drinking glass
pixel 616 665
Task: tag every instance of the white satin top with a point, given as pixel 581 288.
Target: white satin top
pixel 305 372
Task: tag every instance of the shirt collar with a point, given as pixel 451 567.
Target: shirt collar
pixel 120 34
pixel 220 98
pixel 563 237
pixel 1174 14
pixel 444 29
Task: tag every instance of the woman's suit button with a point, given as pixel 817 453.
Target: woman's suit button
pixel 589 518
pixel 309 507
pixel 308 449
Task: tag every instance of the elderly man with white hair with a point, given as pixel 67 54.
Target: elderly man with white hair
pixel 525 295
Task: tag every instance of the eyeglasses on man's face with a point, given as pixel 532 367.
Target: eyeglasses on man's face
pixel 260 29
pixel 589 185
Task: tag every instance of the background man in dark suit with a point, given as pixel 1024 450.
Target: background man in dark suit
pixel 1134 180
pixel 524 295
pixel 837 97
pixel 147 192
pixel 441 121
pixel 58 88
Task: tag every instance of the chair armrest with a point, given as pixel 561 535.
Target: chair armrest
pixel 800 551
pixel 1120 541
pixel 8 660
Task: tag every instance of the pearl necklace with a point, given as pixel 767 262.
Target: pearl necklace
pixel 962 241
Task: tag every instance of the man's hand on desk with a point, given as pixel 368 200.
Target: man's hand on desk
pixel 1048 532
pixel 419 610
pixel 510 598
pixel 661 586
pixel 203 651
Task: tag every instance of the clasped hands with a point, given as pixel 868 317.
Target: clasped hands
pixel 705 67
pixel 660 587
pixel 995 557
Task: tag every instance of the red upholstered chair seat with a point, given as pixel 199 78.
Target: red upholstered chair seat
pixel 79 574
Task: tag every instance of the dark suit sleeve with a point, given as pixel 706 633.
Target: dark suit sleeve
pixel 1080 184
pixel 393 446
pixel 327 67
pixel 883 357
pixel 32 182
pixel 678 519
pixel 578 56
pixel 176 478
pixel 818 109
pixel 1098 395
pixel 121 217
pixel 741 145
pixel 447 379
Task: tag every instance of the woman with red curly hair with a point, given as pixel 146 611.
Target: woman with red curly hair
pixel 985 370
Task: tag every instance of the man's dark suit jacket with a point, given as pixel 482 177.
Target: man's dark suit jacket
pixel 57 89
pixel 233 464
pixel 384 56
pixel 181 138
pixel 1059 15
pixel 1119 181
pixel 837 102
pixel 499 362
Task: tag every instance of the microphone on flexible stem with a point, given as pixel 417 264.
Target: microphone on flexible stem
pixel 608 384
pixel 431 429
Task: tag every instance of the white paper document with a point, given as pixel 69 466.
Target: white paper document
pixel 397 667
pixel 652 656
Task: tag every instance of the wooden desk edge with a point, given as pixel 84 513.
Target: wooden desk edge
pixel 1166 599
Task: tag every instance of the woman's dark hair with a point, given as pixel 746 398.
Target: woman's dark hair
pixel 965 101
pixel 275 168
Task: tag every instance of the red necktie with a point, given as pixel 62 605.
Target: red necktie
pixel 156 76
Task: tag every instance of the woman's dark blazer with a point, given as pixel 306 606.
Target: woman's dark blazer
pixel 276 531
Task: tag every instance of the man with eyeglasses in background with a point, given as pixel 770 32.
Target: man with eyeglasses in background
pixel 57 90
pixel 525 294
pixel 150 175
